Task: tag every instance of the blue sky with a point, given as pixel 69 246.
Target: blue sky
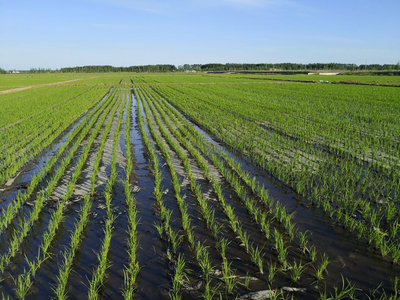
pixel 55 34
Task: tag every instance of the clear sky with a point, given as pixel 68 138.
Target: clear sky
pixel 55 34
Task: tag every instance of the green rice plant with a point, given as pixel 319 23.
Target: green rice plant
pixel 257 257
pixel 312 253
pixel 160 229
pixel 276 294
pixel 206 267
pixel 175 238
pixel 297 270
pixel 346 292
pixel 390 211
pixel 303 241
pixel 221 246
pixel 210 292
pixel 247 281
pixel 319 272
pixel 230 279
pixel 272 270
pixel 69 254
pixel 23 286
pixel 394 229
pixel 385 248
pixel 395 252
pixel 281 249
pixel 246 241
pixel 396 288
pixel 178 278
pixel 266 225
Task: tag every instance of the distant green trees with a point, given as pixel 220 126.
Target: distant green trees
pixel 217 67
pixel 296 67
pixel 103 69
pixel 41 70
pixel 187 67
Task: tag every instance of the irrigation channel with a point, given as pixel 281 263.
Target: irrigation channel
pixel 136 201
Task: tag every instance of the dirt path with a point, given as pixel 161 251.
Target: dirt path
pixel 40 85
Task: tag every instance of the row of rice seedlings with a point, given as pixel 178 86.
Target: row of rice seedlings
pixel 24 281
pixel 258 215
pixel 368 226
pixel 210 152
pixel 12 209
pixel 22 140
pixel 312 128
pixel 99 273
pixel 18 237
pixel 62 117
pixel 69 254
pixel 303 242
pixel 164 228
pixel 132 269
pixel 19 143
pixel 301 236
pixel 278 211
pixel 308 186
pixel 177 281
pixel 97 161
pixel 201 253
pixel 254 252
pixel 322 267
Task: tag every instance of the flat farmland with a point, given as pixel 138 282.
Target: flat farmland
pixel 198 186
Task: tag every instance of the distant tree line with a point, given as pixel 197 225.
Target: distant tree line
pixel 41 70
pixel 295 66
pixel 217 67
pixel 103 69
pixel 232 67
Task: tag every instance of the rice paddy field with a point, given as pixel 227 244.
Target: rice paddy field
pixel 343 79
pixel 198 186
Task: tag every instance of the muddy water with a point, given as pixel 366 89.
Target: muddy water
pixel 153 278
pixel 118 256
pixel 350 257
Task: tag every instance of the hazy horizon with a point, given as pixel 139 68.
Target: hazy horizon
pixel 54 35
